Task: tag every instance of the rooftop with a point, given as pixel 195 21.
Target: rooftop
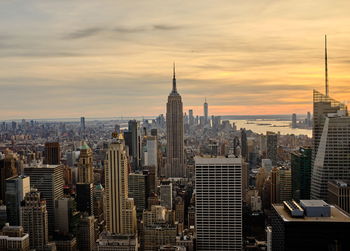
pixel 216 161
pixel 336 215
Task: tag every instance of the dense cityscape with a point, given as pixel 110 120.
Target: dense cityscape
pixel 242 144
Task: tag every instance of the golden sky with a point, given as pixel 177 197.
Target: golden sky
pixel 62 59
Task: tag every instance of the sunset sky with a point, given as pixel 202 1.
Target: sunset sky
pixel 63 59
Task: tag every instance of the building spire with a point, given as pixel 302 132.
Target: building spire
pixel 174 79
pixel 326 66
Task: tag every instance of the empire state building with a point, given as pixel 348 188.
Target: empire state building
pixel 175 134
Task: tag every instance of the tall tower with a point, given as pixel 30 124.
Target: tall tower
pixel 219 203
pixel 121 211
pixel 34 219
pixel 205 111
pixel 85 169
pixel 175 134
pixel 52 153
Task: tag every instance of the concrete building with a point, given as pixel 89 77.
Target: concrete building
pixel 166 195
pixel 48 179
pixel 310 225
pixel 34 219
pixel 116 242
pixel 14 238
pixel 118 206
pixel 86 234
pixel 339 194
pixel 137 189
pixel 66 215
pixel 16 189
pixel 85 165
pixel 175 134
pixel 52 154
pixel 218 186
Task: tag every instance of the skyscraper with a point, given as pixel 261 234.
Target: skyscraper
pixel 218 203
pixel 175 134
pixel 135 147
pixel 331 132
pixel 85 168
pixel 205 108
pixel 34 219
pixel 16 189
pixel 118 206
pixel 301 173
pixel 52 153
pixel 294 120
pixel 48 179
pixel 244 144
pixel 7 170
pixel 190 117
pixel 271 147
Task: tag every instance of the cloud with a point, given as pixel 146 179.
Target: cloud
pixel 166 27
pixel 83 33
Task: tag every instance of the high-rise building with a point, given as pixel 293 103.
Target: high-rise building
pixel 82 126
pixel 294 120
pixel 7 170
pixel 84 197
pixel 135 144
pixel 151 154
pixel 271 147
pixel 120 211
pixel 275 185
pixel 34 219
pixel 137 190
pixel 190 117
pixel 66 216
pixel 301 173
pixel 205 109
pixel 244 144
pixel 339 194
pixel 175 134
pixel 14 238
pixel 285 186
pixel 166 195
pixel 48 179
pixel 16 189
pixel 331 135
pixel 218 187
pixel 85 165
pixel 52 153
pixel 86 233
pixel 310 225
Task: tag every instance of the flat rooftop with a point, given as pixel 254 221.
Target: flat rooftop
pixel 217 161
pixel 313 203
pixel 336 216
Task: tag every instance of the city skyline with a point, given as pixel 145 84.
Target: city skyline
pixel 101 59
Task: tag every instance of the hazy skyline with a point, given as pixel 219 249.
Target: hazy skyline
pixel 111 58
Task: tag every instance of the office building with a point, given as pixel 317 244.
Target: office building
pixel 84 197
pixel 285 186
pixel 134 144
pixel 66 216
pixel 52 154
pixel 275 185
pixel 175 134
pixel 310 225
pixel 244 144
pixel 159 235
pixel 120 210
pixel 86 234
pixel 301 173
pixel 117 242
pixel 331 159
pixel 191 117
pixel 339 194
pixel 294 120
pixel 7 170
pixel 205 109
pixel 16 189
pixel 271 147
pixel 137 189
pixel 151 154
pixel 166 195
pixel 218 186
pixel 34 219
pixel 85 165
pixel 14 238
pixel 48 179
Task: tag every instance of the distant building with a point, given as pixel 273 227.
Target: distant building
pixel 7 170
pixel 271 147
pixel 310 225
pixel 166 195
pixel 85 165
pixel 218 186
pixel 52 154
pixel 339 194
pixel 294 120
pixel 175 134
pixel 205 108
